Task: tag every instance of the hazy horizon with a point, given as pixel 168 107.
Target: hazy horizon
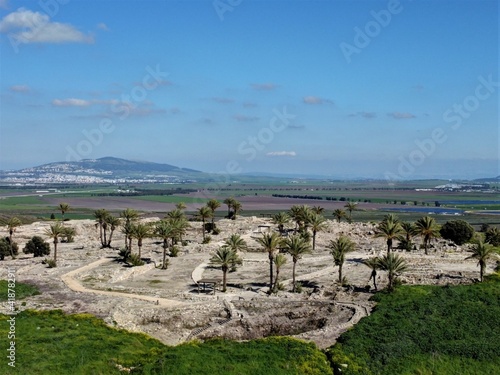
pixel 374 89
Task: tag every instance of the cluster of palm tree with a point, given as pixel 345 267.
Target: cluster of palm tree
pixel 391 229
pixel 105 221
pixel 296 246
pixel 392 263
pixel 12 223
pixel 305 218
pixel 226 257
pixel 233 207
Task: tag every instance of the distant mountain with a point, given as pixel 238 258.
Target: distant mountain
pixel 102 170
pixel 486 180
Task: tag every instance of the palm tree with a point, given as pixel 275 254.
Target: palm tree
pixel 339 249
pixel 225 258
pixel 482 252
pixel 236 208
pixel 112 222
pixel 372 263
pixel 299 214
pixel 391 217
pixel 100 217
pixel 213 204
pixel 389 230
pixel 281 219
pixel 165 231
pixel 180 226
pixel 339 214
pixel 140 231
pixel 130 216
pixel 317 209
pixel 12 224
pixel 296 246
pixel 317 223
pixel 236 243
pixel 428 229
pixel 279 261
pixel 63 207
pixel 407 233
pixel 229 202
pixel 350 206
pixel 181 206
pixel 270 243
pixel 54 232
pixel 394 265
pixel 175 214
pixel 204 213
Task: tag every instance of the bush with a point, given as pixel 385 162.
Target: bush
pixel 37 246
pixel 458 231
pixel 174 251
pixel 135 261
pixel 492 236
pixel 68 234
pixel 5 248
pixel 216 231
pixel 124 253
pixel 50 262
pixel 206 240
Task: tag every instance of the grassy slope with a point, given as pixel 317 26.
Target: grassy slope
pixel 51 342
pixel 427 330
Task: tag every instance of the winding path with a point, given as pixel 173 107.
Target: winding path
pixel 75 285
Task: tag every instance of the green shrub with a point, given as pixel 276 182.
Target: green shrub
pixel 458 231
pixel 50 262
pixel 135 260
pixel 206 240
pixel 37 246
pixel 5 248
pixel 492 236
pixel 174 251
pixel 426 330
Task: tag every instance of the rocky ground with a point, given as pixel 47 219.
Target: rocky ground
pixel 166 304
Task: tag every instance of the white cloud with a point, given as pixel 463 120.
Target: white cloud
pixel 281 153
pixel 316 100
pixel 102 26
pixel 26 26
pixel 20 88
pixel 401 115
pixel 71 102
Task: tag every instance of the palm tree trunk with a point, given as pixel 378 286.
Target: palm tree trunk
pixel 224 279
pixel 314 239
pixel 139 245
pixel 293 275
pixel 11 245
pixel 389 245
pixel 55 250
pixel 425 247
pixel 481 270
pixel 104 242
pixel 203 229
pixel 130 244
pixel 391 277
pixel 340 274
pixel 270 272
pixel 275 287
pixel 165 244
pixel 109 239
pixel 374 276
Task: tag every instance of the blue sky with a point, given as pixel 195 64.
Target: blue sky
pixel 384 89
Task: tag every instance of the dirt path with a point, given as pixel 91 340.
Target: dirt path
pixel 75 285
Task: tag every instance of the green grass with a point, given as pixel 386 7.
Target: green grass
pixel 22 290
pixel 273 355
pixel 51 342
pixel 170 199
pixel 427 330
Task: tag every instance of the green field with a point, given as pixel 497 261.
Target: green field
pixel 51 342
pixel 426 330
